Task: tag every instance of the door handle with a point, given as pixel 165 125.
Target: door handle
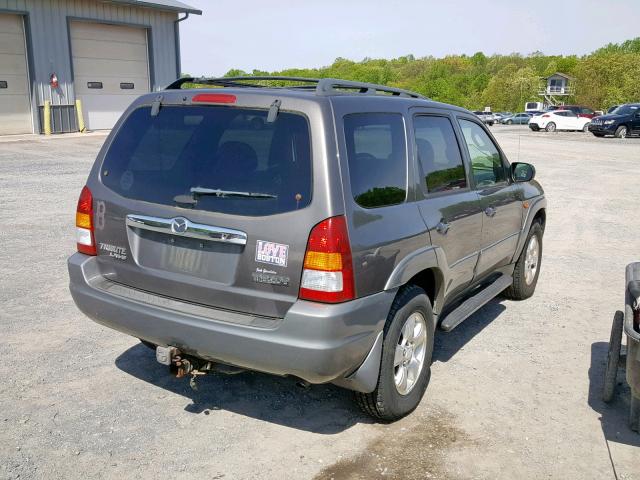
pixel 442 228
pixel 490 212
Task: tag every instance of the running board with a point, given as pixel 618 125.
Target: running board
pixel 472 304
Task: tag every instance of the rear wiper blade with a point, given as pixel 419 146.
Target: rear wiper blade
pixel 197 191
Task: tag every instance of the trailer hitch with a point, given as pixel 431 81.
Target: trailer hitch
pixel 181 365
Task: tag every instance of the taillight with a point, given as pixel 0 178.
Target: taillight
pixel 84 223
pixel 327 275
pixel 213 98
pixel 546 116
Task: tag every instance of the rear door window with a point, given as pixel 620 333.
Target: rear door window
pixel 439 159
pixel 377 155
pixel 257 168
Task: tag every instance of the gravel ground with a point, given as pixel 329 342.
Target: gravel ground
pixel 515 390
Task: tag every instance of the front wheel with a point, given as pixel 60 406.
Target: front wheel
pixel 585 129
pixel 551 127
pixel 527 269
pixel 405 368
pixel 509 122
pixel 621 132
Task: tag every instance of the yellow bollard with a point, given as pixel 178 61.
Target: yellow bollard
pixel 47 117
pixel 81 126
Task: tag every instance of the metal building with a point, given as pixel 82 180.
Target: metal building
pixel 102 52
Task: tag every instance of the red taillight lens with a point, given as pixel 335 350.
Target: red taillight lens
pixel 213 98
pixel 327 275
pixel 546 116
pixel 84 223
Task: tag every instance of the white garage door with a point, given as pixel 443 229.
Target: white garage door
pixel 15 106
pixel 110 69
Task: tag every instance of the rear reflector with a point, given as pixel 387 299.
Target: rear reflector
pixel 328 267
pixel 84 223
pixel 213 98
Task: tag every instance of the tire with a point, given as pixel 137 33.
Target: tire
pixel 386 402
pixel 613 357
pixel 509 122
pixel 585 129
pixel 622 131
pixel 551 127
pixel 525 274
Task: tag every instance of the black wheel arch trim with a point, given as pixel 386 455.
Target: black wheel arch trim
pixel 535 205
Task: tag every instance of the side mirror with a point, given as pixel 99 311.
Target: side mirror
pixel 522 172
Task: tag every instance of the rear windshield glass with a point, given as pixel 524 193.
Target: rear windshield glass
pixel 220 159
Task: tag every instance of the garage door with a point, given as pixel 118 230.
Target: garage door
pixel 15 106
pixel 110 69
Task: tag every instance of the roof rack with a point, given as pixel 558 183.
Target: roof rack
pixel 322 86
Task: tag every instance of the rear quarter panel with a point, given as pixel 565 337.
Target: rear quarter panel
pixel 381 238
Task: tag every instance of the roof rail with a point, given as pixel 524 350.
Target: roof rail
pixel 322 86
pixel 332 86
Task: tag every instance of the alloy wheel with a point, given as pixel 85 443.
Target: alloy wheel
pixel 410 353
pixel 531 260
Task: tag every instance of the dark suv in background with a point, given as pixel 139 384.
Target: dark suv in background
pixel 328 244
pixel 621 122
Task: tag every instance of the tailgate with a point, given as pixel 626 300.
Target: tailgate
pixel 206 204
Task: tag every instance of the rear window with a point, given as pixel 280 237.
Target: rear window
pixel 257 168
pixel 377 156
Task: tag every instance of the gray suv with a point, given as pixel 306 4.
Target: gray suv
pixel 321 230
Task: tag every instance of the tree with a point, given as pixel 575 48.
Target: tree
pixel 504 82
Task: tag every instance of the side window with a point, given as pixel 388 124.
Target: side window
pixel 439 158
pixel 486 164
pixel 377 156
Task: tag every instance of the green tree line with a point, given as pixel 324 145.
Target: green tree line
pixel 602 78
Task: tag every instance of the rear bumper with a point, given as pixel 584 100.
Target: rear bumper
pixel 316 342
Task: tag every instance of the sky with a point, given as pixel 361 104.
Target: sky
pixel 273 35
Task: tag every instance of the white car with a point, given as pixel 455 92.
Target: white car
pixel 559 120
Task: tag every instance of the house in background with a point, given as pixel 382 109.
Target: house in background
pixel 556 88
pixel 105 53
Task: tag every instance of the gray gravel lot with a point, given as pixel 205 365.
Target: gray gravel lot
pixel 515 390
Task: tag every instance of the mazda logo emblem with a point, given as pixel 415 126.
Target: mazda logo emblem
pixel 179 225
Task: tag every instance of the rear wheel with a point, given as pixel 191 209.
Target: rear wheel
pixel 622 131
pixel 585 129
pixel 551 127
pixel 405 368
pixel 527 269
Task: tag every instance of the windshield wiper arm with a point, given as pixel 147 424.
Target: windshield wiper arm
pixel 197 191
